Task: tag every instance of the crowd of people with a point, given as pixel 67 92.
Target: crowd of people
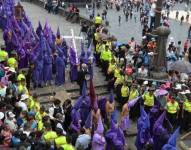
pixel 158 107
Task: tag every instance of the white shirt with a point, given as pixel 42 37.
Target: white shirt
pixel 22 105
pixel 152 11
pixel 143 72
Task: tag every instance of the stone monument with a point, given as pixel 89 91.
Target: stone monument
pixel 159 62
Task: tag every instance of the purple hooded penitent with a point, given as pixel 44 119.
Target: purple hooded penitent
pixel 88 123
pixel 60 69
pixel 111 97
pixel 160 134
pixel 143 128
pixel 83 105
pixel 75 124
pixel 98 142
pixel 120 140
pixel 111 135
pixel 38 70
pixel 39 29
pixel 58 32
pixel 171 145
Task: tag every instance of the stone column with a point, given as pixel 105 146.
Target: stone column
pixel 160 63
pixel 158 13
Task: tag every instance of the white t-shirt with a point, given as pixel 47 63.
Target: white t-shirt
pixel 143 73
pixel 152 11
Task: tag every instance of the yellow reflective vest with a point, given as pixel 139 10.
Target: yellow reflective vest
pixel 98 20
pixel 148 99
pixel 106 55
pixel 187 106
pixel 3 55
pixel 124 91
pixel 50 136
pixel 59 141
pixel 133 94
pixel 68 147
pixel 172 108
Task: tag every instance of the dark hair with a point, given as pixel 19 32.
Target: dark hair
pixel 82 130
pixel 57 102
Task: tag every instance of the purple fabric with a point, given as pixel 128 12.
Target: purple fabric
pixel 143 127
pixel 111 97
pixel 171 145
pixel 60 71
pixel 88 123
pixel 102 107
pixel 125 123
pixel 58 32
pixel 132 102
pixel 98 142
pixel 47 68
pixel 38 71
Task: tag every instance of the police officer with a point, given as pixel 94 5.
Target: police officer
pixel 61 139
pixel 124 93
pixel 106 57
pixel 49 136
pixel 172 109
pixel 98 20
pixel 149 99
pixel 186 113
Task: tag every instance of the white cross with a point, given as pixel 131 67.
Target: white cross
pixel 73 37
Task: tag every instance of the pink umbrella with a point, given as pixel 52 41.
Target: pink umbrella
pixel 161 92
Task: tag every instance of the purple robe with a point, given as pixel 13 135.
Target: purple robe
pixel 125 123
pixel 38 71
pixel 98 142
pixel 60 71
pixel 73 72
pixel 47 68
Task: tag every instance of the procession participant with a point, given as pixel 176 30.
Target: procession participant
pixel 98 141
pixel 149 99
pixel 186 113
pixel 172 109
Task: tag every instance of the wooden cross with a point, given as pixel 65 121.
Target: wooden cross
pixel 73 37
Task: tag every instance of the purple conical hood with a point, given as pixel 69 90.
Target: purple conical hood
pixel 88 123
pixel 100 128
pixel 95 106
pixel 72 56
pixel 39 26
pixel 58 32
pixel 171 145
pixel 132 102
pixel 84 89
pixel 112 125
pixel 159 121
pixel 111 97
pixel 144 118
